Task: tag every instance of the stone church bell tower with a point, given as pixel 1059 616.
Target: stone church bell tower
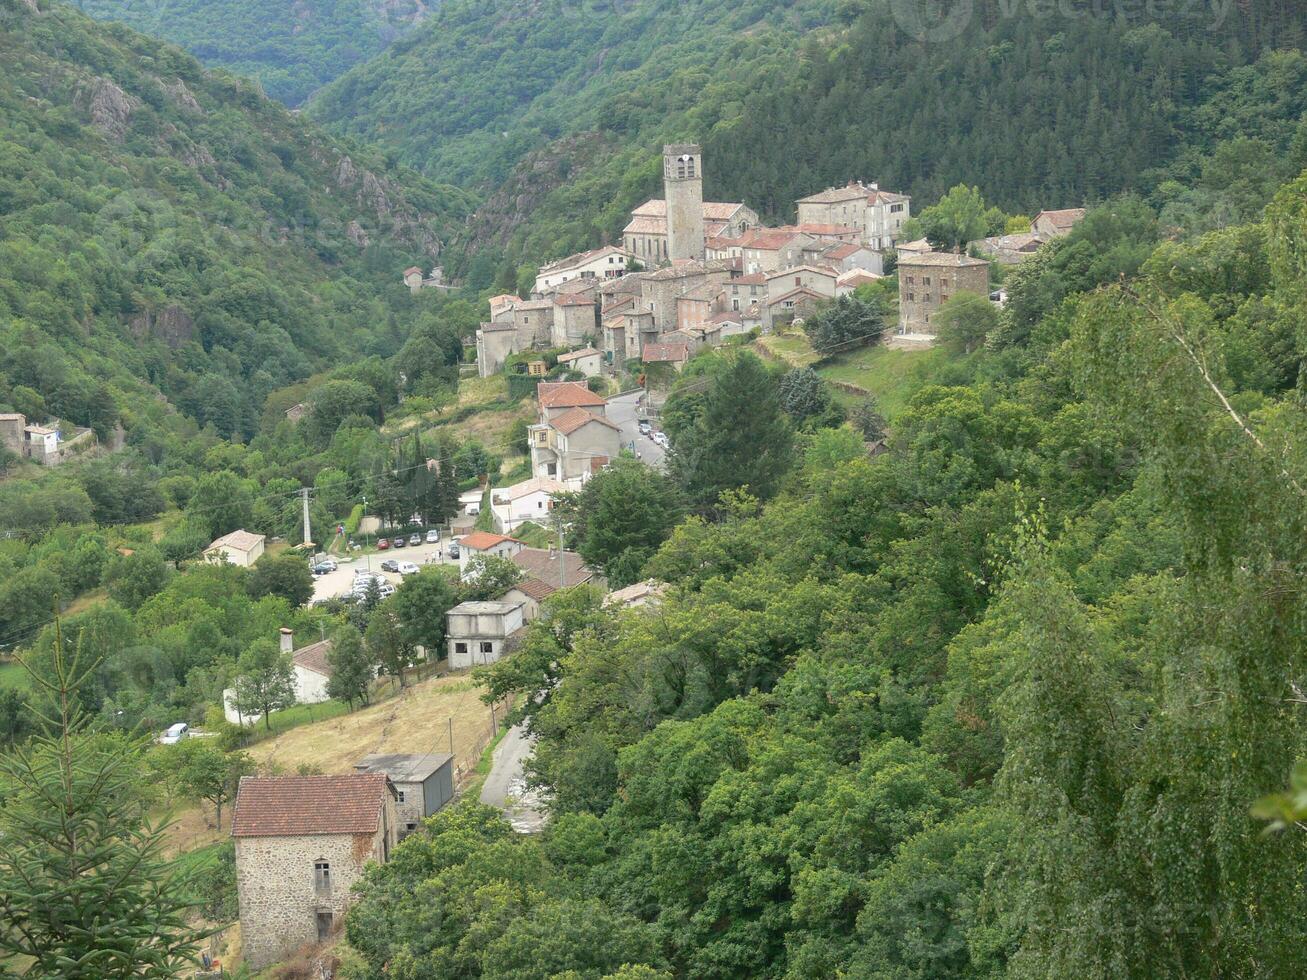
pixel 683 189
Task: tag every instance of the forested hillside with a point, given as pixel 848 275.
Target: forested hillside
pixel 1000 701
pixel 164 231
pixel 1040 111
pixel 291 47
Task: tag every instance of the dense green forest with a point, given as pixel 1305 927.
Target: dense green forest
pixel 1000 701
pixel 292 48
pixel 1042 110
pixel 167 231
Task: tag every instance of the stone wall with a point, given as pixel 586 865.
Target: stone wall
pixel 275 885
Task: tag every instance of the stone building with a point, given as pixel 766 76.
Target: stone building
pixel 679 226
pixel 496 342
pixel 769 249
pixel 928 279
pixel 607 262
pixel 12 437
pixel 659 291
pixel 301 843
pixel 423 784
pixel 1055 224
pixel 572 446
pixel 533 319
pixel 576 320
pixel 877 214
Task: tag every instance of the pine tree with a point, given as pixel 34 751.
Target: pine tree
pixel 85 892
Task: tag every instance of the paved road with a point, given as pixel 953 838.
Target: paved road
pixel 339 582
pixel 505 787
pixel 622 410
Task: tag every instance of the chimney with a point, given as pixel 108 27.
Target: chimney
pixel 287 639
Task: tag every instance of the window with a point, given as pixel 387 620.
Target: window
pixel 322 877
pixel 460 647
pixel 925 297
pixel 912 297
pixel 487 646
pixel 925 280
pixel 910 280
pixel 399 793
pixel 798 280
pixel 410 827
pixel 895 208
pixel 943 297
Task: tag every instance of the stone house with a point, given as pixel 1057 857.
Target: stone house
pixel 677 355
pixel 659 291
pixel 615 342
pixel 784 308
pixel 607 262
pixel 481 632
pixel 556 397
pixel 423 784
pixel 12 435
pixel 928 280
pixel 1009 249
pixel 502 302
pixel 533 319
pixel 820 279
pixel 587 361
pixel 49 444
pixel 241 548
pixel 530 593
pixel 768 249
pixel 695 308
pixel 846 258
pixel 301 843
pixel 485 543
pixel 728 323
pixel 557 569
pixel 746 290
pixel 878 215
pixel 1055 224
pixel 826 235
pixel 575 320
pixel 530 500
pixel 496 342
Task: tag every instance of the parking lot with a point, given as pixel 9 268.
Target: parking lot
pixel 339 582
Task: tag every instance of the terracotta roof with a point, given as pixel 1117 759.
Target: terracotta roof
pixel 920 245
pixel 1065 218
pixel 768 239
pixel 646 226
pixel 293 806
pixel 573 299
pixel 412 269
pixel 820 229
pixel 542 564
pixel 484 540
pixel 793 293
pixel 503 299
pixel 730 316
pixel 567 394
pixel 661 353
pixel 536 589
pixel 241 540
pixel 856 277
pixel 950 260
pixel 716 210
pixel 843 251
pixel 574 418
pixel 752 279
pixel 576 355
pixel 314 657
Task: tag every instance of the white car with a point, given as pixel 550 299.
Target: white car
pixel 175 733
pixel 473 510
pixel 408 568
pixel 433 536
pixel 661 439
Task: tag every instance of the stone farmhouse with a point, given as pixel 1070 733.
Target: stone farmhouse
pixel 49 444
pixel 927 280
pixel 1055 224
pixel 416 281
pixel 301 843
pixel 423 784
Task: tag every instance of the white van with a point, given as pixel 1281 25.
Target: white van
pixel 175 733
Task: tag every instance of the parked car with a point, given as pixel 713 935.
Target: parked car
pixel 327 562
pixel 661 439
pixel 433 536
pixel 386 590
pixel 390 565
pixel 175 733
pixel 408 568
pixel 397 541
pixel 414 540
pixel 453 550
pixel 473 510
pixel 645 427
pixel 322 569
pixel 382 544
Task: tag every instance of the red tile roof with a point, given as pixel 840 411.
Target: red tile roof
pixel 767 239
pixel 314 657
pixel 567 394
pixel 291 806
pixel 536 589
pixel 574 418
pixel 541 564
pixel 842 251
pixel 412 269
pixel 573 299
pixel 660 353
pixel 483 540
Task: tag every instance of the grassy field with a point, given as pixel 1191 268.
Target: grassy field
pixel 792 347
pixel 13 675
pixel 418 720
pixel 891 377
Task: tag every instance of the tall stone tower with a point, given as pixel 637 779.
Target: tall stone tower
pixel 683 188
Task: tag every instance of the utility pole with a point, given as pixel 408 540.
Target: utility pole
pixel 367 556
pixel 308 538
pixel 562 564
pixel 451 735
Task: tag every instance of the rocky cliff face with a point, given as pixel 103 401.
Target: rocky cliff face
pixel 537 176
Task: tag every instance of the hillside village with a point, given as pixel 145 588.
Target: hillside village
pixel 690 273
